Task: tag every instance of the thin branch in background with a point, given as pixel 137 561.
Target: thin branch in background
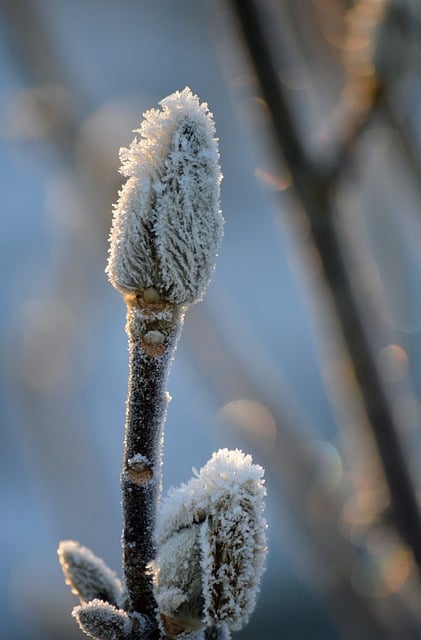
pixel 373 71
pixel 313 183
pixel 407 137
pixel 37 54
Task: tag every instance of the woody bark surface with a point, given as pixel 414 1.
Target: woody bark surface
pixel 141 473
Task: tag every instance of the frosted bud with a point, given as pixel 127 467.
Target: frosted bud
pixel 88 576
pixel 167 225
pixel 101 621
pixel 211 546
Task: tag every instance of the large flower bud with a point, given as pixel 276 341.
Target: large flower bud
pixel 167 225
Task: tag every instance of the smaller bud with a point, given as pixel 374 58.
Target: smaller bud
pixel 211 546
pixel 101 620
pixel 88 576
pixel 139 469
pixel 167 225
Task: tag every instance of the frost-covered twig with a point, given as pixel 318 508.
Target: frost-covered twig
pixel 211 545
pixel 140 479
pixel 166 231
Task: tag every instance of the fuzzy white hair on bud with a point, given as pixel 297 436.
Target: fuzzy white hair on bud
pixel 167 224
pixel 212 545
pixel 88 576
pixel 99 619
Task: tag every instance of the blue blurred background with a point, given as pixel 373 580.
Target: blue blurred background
pixel 75 79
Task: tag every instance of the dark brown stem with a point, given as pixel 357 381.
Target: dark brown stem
pixel 141 474
pixel 218 632
pixel 312 185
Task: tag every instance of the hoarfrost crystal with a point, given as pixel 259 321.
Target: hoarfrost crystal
pixel 212 545
pixel 167 225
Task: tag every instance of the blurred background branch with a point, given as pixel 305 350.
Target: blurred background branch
pixel 314 183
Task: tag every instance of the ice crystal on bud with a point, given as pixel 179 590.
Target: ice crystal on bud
pixel 167 225
pixel 211 546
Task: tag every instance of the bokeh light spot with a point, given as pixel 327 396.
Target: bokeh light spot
pixel 328 464
pixel 384 573
pixel 393 362
pixel 270 181
pixel 253 419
